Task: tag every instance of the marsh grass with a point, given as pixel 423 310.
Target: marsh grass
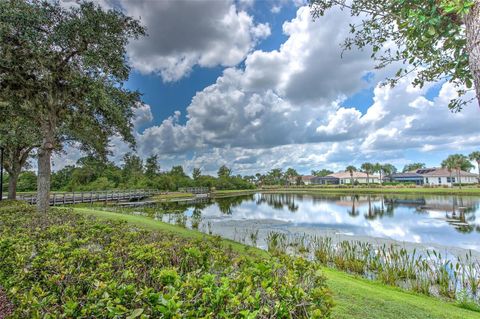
pixel 427 271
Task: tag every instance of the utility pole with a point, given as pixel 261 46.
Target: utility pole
pixel 1 173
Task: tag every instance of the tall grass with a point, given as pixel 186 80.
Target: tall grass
pixel 427 271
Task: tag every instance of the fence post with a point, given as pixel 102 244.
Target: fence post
pixel 73 198
pixel 54 199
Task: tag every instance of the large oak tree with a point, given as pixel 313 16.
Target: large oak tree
pixel 433 39
pixel 66 67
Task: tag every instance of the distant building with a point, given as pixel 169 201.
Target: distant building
pixel 434 176
pixel 307 179
pixel 342 178
pixel 408 177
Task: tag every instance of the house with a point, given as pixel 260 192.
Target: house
pixel 342 178
pixel 408 177
pixel 433 176
pixel 442 176
pixel 307 179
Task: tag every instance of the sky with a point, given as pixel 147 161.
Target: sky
pixel 258 84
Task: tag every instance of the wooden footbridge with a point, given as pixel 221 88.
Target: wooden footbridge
pixel 72 198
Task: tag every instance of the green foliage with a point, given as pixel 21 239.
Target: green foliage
pixel 457 162
pixel 428 36
pixel 413 167
pixel 63 264
pixel 321 173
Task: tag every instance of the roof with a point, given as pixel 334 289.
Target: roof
pixel 435 171
pixel 355 175
pixel 405 175
pixel 307 177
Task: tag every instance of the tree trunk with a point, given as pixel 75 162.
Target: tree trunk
pixel 12 185
pixel 459 178
pixel 472 27
pixel 44 172
pixel 478 164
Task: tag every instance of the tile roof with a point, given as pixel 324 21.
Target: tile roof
pixel 443 172
pixel 355 175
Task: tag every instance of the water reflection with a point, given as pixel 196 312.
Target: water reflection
pixel 443 220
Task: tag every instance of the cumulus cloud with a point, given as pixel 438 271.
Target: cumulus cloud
pixel 186 33
pixel 281 97
pixel 142 115
pixel 283 109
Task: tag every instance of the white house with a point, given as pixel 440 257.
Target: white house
pixel 442 176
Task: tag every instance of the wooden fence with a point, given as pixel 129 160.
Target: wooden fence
pixel 91 197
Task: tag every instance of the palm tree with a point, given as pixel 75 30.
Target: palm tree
pixel 377 167
pixel 388 169
pixel 351 169
pixel 458 162
pixel 475 156
pixel 367 168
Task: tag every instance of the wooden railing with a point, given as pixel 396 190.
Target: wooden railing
pixel 72 198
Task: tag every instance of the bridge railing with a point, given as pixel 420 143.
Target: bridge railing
pixel 65 198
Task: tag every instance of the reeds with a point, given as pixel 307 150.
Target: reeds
pixel 424 271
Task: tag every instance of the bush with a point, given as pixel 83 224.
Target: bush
pixel 63 264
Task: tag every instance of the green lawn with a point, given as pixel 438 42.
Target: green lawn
pixel 174 195
pixel 379 190
pixel 355 298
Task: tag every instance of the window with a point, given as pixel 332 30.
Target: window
pixel 427 180
pixel 449 180
pixel 439 180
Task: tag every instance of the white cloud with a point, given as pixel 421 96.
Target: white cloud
pixel 185 33
pixel 284 109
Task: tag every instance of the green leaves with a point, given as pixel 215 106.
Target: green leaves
pixel 429 36
pixel 65 265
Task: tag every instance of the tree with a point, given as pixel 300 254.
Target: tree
pixel 388 169
pixel 152 168
pixel 475 156
pixel 351 169
pixel 437 39
pixel 458 162
pixel 132 169
pixel 66 67
pixel 18 139
pixel 413 167
pixel 196 173
pixel 368 168
pixel 322 172
pixel 291 174
pixel 224 171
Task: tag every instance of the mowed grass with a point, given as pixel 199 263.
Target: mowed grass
pixel 172 196
pixel 354 297
pixel 379 190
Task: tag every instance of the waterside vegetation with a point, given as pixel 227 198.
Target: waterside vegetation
pixel 68 264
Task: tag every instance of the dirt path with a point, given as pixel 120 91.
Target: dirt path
pixel 6 306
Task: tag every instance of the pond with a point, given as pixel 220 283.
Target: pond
pixel 430 221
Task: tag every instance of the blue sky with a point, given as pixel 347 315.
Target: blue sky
pixel 258 84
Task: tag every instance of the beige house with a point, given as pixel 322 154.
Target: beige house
pixel 342 178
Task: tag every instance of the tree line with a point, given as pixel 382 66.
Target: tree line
pixel 91 173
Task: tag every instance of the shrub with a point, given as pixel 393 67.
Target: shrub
pixel 63 264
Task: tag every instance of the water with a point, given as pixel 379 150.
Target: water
pixel 430 221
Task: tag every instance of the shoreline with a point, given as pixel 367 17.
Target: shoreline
pixel 354 191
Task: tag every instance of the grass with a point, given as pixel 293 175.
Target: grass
pixel 354 297
pixel 149 223
pixel 378 190
pixel 229 193
pixel 171 196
